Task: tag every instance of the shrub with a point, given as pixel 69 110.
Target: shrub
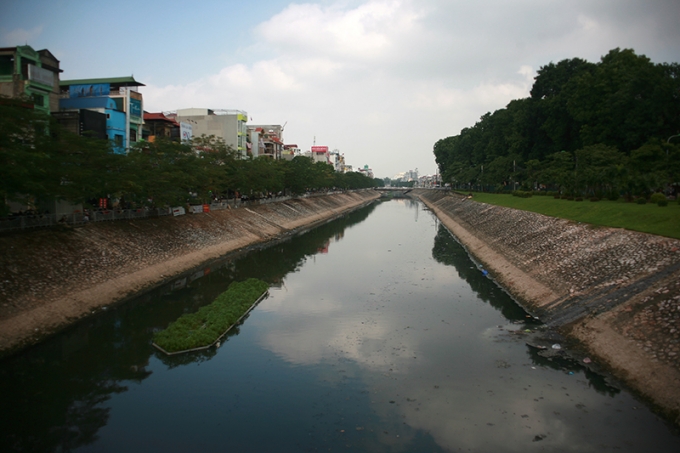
pixel 641 200
pixel 594 199
pixel 521 194
pixel 662 202
pixel 657 197
pixel 200 329
pixel 578 199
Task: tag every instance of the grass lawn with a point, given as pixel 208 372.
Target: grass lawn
pixel 648 218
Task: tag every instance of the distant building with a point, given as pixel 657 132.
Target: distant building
pixel 83 122
pixel 157 125
pixel 366 171
pixel 290 151
pixel 31 74
pixel 229 125
pixel 266 140
pixel 338 161
pixel 320 154
pixel 118 98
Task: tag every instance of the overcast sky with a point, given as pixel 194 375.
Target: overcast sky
pixel 379 80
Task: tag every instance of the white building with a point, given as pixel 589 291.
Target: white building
pixel 229 125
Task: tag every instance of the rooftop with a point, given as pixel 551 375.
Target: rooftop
pixel 117 81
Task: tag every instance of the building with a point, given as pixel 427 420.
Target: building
pixel 118 98
pixel 320 154
pixel 290 151
pixel 338 161
pixel 266 140
pixel 229 125
pixel 157 125
pixel 366 171
pixel 31 74
pixel 83 122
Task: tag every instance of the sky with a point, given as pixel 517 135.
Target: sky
pixel 379 80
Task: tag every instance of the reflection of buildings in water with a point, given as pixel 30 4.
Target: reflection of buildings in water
pixel 324 249
pixel 276 282
pixel 339 235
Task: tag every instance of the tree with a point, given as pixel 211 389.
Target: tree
pixel 23 157
pixel 165 171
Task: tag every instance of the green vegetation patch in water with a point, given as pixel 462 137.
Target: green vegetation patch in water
pixel 203 328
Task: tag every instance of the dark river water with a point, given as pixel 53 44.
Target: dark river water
pixel 379 335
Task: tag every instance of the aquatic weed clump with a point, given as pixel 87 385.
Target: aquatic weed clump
pixel 203 328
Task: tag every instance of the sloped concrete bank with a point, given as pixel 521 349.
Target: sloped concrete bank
pixel 616 292
pixel 51 278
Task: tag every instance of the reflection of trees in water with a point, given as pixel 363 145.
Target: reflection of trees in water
pixel 53 393
pixel 447 250
pixel 566 364
pixel 273 263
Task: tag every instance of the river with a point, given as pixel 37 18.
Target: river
pixel 379 334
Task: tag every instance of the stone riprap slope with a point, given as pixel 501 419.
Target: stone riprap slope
pixel 50 278
pixel 616 291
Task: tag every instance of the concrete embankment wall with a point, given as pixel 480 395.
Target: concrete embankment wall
pixel 51 278
pixel 615 291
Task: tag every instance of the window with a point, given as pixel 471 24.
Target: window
pixel 6 65
pixel 38 100
pixel 133 135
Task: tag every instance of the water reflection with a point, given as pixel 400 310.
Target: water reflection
pixel 378 335
pixel 447 250
pixel 56 391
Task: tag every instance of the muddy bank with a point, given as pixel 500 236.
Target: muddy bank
pixel 51 278
pixel 614 291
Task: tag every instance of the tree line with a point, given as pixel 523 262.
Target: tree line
pixel 587 129
pixel 41 161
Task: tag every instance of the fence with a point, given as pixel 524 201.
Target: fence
pixel 22 222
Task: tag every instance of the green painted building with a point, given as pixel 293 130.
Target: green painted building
pixel 31 75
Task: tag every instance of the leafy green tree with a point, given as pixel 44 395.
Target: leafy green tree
pixel 597 169
pixel 298 174
pixel 260 175
pixel 626 100
pixel 165 171
pixel 23 155
pixel 218 167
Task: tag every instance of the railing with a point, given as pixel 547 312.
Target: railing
pixel 22 222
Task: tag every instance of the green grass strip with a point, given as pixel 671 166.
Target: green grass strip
pixel 647 218
pixel 209 323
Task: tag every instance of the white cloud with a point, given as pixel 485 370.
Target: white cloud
pixel 382 80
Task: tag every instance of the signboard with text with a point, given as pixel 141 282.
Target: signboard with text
pixel 185 132
pixel 135 107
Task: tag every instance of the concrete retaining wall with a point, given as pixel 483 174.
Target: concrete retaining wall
pixel 51 278
pixel 615 291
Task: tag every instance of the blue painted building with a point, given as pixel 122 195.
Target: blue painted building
pixel 115 118
pixel 117 97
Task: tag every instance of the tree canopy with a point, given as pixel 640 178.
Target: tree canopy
pixel 586 128
pixel 40 161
